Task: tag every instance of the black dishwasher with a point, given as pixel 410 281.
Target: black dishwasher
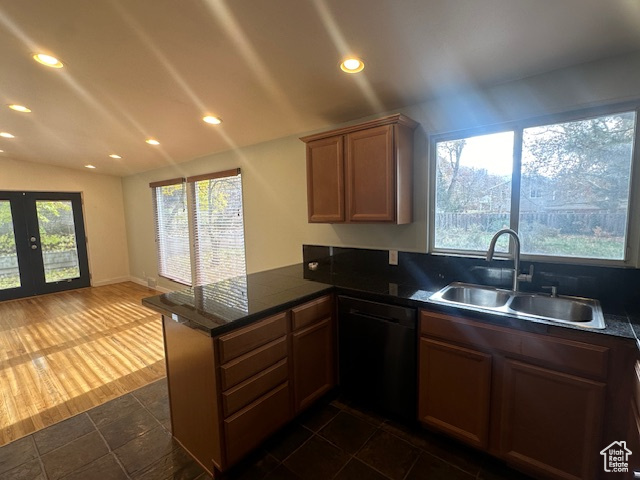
pixel 377 353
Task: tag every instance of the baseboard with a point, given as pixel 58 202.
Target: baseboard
pixel 143 282
pixel 109 281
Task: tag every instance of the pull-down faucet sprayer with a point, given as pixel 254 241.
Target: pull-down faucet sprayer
pixel 517 277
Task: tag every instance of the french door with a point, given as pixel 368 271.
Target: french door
pixel 42 243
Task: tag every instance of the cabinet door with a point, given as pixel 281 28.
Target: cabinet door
pixel 325 180
pixel 454 390
pixel 550 421
pixel 371 178
pixel 254 423
pixel 313 365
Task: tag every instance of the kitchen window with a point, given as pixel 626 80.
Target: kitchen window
pixel 200 227
pixel 564 187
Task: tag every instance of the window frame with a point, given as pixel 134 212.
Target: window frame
pixel 632 247
pixel 196 253
pixel 188 185
pixel 159 257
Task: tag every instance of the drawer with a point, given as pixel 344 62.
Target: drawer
pixel 250 426
pixel 252 363
pixel 246 392
pixel 311 312
pixel 241 341
pixel 563 354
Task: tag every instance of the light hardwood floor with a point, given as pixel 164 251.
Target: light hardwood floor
pixel 64 353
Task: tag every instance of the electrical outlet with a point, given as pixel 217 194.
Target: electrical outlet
pixel 393 257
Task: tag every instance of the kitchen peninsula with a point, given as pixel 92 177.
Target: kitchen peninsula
pixel 246 355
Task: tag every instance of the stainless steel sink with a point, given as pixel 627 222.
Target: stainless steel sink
pixel 476 296
pixel 559 308
pixel 583 312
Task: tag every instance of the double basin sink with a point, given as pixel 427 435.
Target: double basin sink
pixel 583 312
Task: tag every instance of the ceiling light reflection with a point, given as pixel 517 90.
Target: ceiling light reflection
pixel 47 60
pixel 352 65
pixel 20 108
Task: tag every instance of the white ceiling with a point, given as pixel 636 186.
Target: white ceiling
pixel 269 68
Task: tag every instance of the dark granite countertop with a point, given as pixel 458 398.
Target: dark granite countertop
pixel 229 304
pixel 226 305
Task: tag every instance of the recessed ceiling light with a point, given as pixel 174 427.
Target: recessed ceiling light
pixel 1 151
pixel 212 120
pixel 6 135
pixel 89 166
pixel 152 141
pixel 20 108
pixel 352 65
pixel 113 155
pixel 47 60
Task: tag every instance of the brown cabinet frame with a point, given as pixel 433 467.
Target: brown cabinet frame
pixel 228 393
pixel 591 370
pixel 362 173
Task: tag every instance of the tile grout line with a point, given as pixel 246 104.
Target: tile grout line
pixel 399 438
pixel 111 452
pixel 366 419
pixel 415 461
pixel 144 407
pixel 299 446
pixel 431 454
pixel 35 446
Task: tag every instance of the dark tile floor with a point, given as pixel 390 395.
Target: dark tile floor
pixel 129 438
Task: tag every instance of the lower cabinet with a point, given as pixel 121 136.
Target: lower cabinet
pixel 313 363
pixel 454 390
pixel 227 394
pixel 246 429
pixel 550 421
pixel 534 400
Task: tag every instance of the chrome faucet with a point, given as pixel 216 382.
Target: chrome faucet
pixel 517 277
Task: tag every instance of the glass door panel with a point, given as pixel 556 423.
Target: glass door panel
pixel 9 269
pixel 42 243
pixel 57 240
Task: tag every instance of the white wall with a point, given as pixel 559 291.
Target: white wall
pixel 103 211
pixel 274 178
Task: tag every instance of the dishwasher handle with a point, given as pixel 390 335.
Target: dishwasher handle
pixel 405 317
pixel 373 316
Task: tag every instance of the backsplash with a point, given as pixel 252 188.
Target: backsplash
pixel 432 272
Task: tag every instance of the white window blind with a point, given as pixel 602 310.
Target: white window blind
pixel 172 230
pixel 218 225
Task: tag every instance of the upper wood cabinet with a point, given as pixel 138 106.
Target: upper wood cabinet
pixel 325 180
pixel 361 173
